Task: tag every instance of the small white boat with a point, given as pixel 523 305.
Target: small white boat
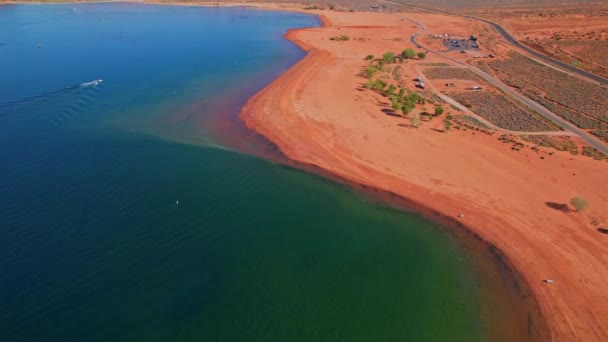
pixel 91 84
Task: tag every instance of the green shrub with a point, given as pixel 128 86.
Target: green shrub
pixel 421 55
pixel 408 53
pixel 447 124
pixel 388 58
pixel 401 93
pixel 370 71
pixel 438 110
pixel 406 108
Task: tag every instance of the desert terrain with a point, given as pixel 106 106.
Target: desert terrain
pixel 513 189
pixel 572 33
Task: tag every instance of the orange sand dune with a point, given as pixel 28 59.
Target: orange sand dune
pixel 317 113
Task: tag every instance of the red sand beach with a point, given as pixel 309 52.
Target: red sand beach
pixel 317 113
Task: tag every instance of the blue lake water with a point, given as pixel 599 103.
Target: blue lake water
pixel 122 216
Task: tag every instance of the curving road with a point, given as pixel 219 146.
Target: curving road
pixel 510 39
pixel 508 90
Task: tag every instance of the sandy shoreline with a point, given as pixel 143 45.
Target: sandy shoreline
pixel 316 115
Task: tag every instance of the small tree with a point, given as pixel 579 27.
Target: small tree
pixel 408 53
pixel 579 203
pixel 369 57
pixel 438 110
pixel 388 57
pixel 421 55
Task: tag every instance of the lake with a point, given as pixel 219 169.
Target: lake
pixel 135 208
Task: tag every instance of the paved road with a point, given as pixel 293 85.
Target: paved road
pixel 509 38
pixel 497 83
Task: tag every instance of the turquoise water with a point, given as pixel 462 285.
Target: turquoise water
pixel 124 219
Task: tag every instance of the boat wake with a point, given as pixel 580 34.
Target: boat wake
pixel 52 93
pixel 58 107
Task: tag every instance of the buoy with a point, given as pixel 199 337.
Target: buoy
pixel 176 202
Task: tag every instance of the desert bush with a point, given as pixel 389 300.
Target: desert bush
pixel 579 203
pixel 421 55
pixel 438 110
pixel 369 57
pixel 397 72
pixel 370 71
pixel 447 124
pixel 388 58
pixel 377 84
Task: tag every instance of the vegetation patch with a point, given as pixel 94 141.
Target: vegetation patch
pixel 469 121
pixel 552 142
pixel 340 38
pixel 314 7
pixel 601 134
pixel 578 101
pixel 435 64
pixel 504 113
pixel 450 73
pixel 483 67
pixel 594 153
pixel 580 120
